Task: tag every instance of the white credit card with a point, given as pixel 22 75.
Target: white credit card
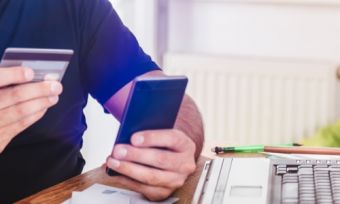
pixel 47 64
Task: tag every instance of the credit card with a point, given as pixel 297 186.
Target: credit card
pixel 48 64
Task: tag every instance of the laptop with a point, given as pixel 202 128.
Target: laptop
pixel 268 181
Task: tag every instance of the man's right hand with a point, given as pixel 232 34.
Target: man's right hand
pixel 22 103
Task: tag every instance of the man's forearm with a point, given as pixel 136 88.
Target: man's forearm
pixel 190 122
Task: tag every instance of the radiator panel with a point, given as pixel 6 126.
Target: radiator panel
pixel 252 101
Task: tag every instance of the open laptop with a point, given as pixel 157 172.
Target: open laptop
pixel 262 181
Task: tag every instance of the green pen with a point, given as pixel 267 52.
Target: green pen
pixel 251 148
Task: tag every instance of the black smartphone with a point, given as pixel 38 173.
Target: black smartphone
pixel 153 104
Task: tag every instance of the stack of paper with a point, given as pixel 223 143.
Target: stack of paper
pixel 102 194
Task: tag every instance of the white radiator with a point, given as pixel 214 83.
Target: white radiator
pixel 252 101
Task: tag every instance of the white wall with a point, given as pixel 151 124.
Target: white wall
pixel 255 29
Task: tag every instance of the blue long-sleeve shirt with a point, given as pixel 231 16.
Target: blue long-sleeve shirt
pixel 107 56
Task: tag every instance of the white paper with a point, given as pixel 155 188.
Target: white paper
pixel 304 156
pixel 84 198
pixel 68 201
pixel 102 194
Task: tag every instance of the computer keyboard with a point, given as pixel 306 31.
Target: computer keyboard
pixel 310 182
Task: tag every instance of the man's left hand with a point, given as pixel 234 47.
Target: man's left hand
pixel 156 164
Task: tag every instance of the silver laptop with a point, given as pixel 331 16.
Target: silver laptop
pixel 261 180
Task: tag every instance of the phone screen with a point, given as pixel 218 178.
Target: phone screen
pixel 153 104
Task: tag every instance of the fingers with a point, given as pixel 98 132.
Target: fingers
pixel 20 111
pixel 152 193
pixel 16 94
pixel 171 139
pixel 15 75
pixel 22 103
pixel 147 175
pixel 165 160
pixel 157 162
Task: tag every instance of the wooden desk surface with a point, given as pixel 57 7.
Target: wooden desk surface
pixel 63 191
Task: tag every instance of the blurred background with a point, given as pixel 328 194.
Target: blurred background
pixel 261 71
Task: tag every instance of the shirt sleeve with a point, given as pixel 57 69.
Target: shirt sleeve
pixel 110 54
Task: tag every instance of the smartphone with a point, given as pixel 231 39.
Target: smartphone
pixel 47 64
pixel 153 104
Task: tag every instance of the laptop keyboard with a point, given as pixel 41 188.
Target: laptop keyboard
pixel 310 183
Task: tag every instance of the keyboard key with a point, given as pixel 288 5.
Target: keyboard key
pixel 321 166
pixel 304 171
pixel 305 166
pixel 306 189
pixel 281 172
pixel 292 169
pixel 290 192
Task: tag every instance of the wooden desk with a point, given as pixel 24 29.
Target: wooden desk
pixel 63 191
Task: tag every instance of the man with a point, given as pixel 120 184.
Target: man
pixel 41 124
